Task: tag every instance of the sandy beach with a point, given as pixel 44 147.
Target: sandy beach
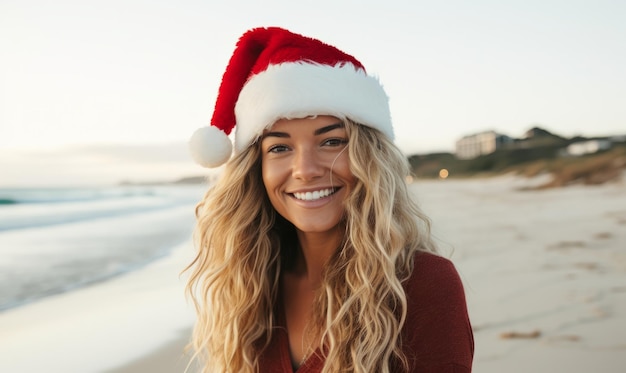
pixel 544 273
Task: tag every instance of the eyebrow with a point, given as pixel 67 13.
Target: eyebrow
pixel 322 130
pixel 317 132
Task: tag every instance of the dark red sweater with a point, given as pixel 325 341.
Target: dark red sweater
pixel 437 336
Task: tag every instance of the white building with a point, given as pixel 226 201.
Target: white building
pixel 472 146
pixel 587 147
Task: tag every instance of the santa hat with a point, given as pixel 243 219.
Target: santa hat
pixel 275 74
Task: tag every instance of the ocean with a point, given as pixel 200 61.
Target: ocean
pixel 55 240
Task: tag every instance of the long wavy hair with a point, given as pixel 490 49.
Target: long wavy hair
pixel 361 306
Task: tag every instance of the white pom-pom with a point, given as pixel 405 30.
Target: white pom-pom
pixel 210 147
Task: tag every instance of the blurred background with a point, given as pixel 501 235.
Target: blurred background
pixel 98 99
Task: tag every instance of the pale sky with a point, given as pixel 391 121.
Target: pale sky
pixel 82 77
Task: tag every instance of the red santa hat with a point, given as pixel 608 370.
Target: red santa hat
pixel 275 74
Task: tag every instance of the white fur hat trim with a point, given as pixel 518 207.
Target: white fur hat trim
pixel 300 89
pixel 210 147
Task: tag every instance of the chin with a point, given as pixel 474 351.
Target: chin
pixel 324 226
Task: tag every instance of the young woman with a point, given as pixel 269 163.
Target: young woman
pixel 312 256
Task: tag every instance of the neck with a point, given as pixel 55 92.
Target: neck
pixel 315 251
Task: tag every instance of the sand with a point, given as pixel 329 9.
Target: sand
pixel 172 357
pixel 544 273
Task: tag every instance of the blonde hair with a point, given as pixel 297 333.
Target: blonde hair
pixel 360 308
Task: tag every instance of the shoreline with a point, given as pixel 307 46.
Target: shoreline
pixel 7 307
pixel 101 326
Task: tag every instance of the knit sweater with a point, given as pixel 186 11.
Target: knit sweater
pixel 436 337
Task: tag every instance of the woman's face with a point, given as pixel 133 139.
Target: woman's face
pixel 306 171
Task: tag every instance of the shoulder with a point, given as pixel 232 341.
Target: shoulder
pixel 434 286
pixel 433 273
pixel 437 330
pixel 434 290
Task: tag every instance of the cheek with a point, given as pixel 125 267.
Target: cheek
pixel 268 185
pixel 341 169
pixel 266 175
pixel 272 178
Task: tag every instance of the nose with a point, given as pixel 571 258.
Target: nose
pixel 307 165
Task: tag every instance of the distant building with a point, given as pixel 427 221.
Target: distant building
pixel 587 147
pixel 472 146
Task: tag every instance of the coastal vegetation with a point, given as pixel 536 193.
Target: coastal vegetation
pixel 543 153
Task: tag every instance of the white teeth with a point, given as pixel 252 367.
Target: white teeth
pixel 312 196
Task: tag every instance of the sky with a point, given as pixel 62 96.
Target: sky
pixel 100 91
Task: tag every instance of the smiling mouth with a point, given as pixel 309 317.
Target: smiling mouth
pixel 314 196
